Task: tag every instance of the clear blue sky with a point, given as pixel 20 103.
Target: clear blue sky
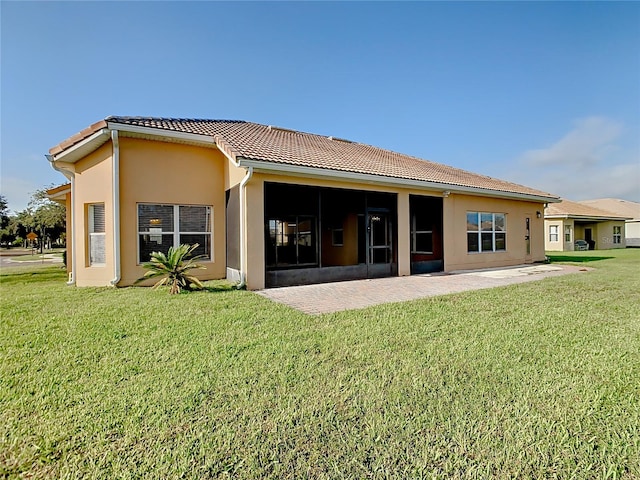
pixel 546 93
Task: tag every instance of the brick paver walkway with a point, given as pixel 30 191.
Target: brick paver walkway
pixel 334 297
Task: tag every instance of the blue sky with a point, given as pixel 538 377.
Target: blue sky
pixel 546 94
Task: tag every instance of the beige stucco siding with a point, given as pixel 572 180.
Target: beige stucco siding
pixel 554 246
pixel 455 208
pixel 93 181
pixel 456 256
pixel 604 237
pixel 167 173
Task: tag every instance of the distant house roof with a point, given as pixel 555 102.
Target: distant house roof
pixel 580 211
pixel 59 194
pixel 618 206
pixel 265 146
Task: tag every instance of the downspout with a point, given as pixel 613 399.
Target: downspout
pixel 243 232
pixel 72 177
pixel 116 208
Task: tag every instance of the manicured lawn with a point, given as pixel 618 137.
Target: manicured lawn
pixel 537 380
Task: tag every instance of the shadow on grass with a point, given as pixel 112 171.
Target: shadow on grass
pixel 576 259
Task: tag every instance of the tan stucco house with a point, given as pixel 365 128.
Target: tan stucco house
pixel 271 206
pixel 568 222
pixel 623 208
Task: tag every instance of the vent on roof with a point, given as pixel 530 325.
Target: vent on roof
pixel 336 139
pixel 280 129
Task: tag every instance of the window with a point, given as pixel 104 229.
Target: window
pixel 567 233
pixel 617 234
pixel 421 235
pixel 486 232
pixel 95 213
pixel 164 226
pixel 337 237
pixel 292 241
pixel 553 233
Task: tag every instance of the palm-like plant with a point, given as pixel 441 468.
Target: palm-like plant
pixel 173 268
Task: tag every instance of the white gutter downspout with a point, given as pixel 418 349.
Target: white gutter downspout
pixel 72 177
pixel 116 208
pixel 243 231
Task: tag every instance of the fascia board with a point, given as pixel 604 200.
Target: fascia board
pixel 160 133
pixel 298 170
pixel 84 147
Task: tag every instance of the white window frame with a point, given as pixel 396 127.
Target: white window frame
pixel 493 232
pixel 554 233
pixel 94 236
pixel 175 233
pixel 568 234
pixel 617 235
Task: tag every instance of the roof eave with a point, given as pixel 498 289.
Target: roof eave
pixel 95 140
pixel 299 170
pixel 592 218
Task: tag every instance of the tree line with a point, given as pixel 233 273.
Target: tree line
pixel 42 217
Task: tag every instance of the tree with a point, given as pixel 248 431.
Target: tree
pixel 173 268
pixel 4 211
pixel 47 218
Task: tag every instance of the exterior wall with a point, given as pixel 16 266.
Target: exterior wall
pixel 93 183
pixel 168 173
pixel 632 233
pixel 456 257
pixel 604 237
pixel 560 245
pixel 455 208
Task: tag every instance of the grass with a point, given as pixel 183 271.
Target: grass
pixel 537 380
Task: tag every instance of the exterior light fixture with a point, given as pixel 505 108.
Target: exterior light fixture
pixel 446 193
pixel 538 214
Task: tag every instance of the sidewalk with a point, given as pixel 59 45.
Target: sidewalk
pixel 335 297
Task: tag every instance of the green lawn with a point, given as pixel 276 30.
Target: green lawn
pixel 537 380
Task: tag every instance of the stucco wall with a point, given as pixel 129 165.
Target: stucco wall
pixel 93 180
pixel 168 173
pixel 604 238
pixel 554 246
pixel 455 208
pixel 456 256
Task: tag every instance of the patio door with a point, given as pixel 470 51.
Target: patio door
pixel 379 244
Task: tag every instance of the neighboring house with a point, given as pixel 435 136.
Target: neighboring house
pixel 623 208
pixel 271 206
pixel 567 222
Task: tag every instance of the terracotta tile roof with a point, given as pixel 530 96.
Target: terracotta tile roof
pixel 288 147
pixel 618 206
pixel 567 208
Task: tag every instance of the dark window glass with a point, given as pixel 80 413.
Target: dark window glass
pixel 424 242
pixel 154 243
pixel 472 242
pixel 155 218
pixel 203 240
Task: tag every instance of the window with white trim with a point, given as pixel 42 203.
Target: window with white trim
pixel 95 218
pixel 164 226
pixel 617 234
pixel 486 232
pixel 554 233
pixel 567 233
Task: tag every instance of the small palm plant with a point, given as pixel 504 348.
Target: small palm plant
pixel 173 268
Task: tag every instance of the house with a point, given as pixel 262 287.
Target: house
pixel 270 206
pixel 567 222
pixel 623 208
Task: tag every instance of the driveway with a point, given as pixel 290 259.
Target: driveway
pixel 334 297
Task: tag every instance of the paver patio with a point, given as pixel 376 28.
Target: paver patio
pixel 338 296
